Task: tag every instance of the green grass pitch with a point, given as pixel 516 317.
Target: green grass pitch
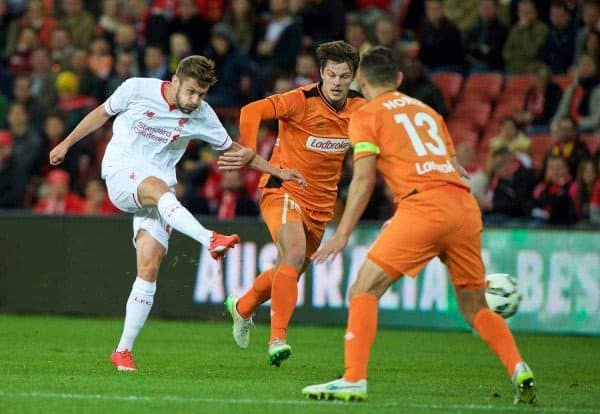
pixel 61 365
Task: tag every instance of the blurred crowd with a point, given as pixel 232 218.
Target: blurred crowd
pixel 518 81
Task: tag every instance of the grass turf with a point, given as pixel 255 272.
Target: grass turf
pixel 61 365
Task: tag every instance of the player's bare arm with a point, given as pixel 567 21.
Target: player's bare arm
pixel 459 168
pixel 89 124
pixel 238 156
pixel 359 193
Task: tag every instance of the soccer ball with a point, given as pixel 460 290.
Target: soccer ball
pixel 501 294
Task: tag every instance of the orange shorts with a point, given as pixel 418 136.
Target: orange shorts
pixel 277 207
pixel 444 222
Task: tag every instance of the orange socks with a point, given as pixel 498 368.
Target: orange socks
pixel 284 295
pixel 259 293
pixel 493 330
pixel 360 335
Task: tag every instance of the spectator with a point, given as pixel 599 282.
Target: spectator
pixel 386 34
pixel 61 49
pixel 34 18
pixel 508 198
pixel 123 70
pixel 100 61
pixel 5 20
pixel 4 105
pixel 89 84
pixel 79 23
pixel 54 132
pixel 42 78
pixel 189 22
pixel 440 41
pixel 525 39
pixel 242 19
pixel 418 85
pixel 237 74
pixel 19 59
pixel 155 63
pixel 282 84
pixel 73 104
pixel 587 176
pixel 462 13
pixel 541 100
pixel 559 47
pixel 581 99
pixel 58 199
pixel 514 140
pixel 552 198
pixel 466 154
pixel 322 21
pixel 592 45
pixel 590 14
pixel 27 142
pixel 109 19
pixel 279 45
pixel 485 38
pixel 96 201
pixel 356 35
pixel 568 144
pixel 180 47
pixel 125 41
pixel 306 70
pixel 12 182
pixel 235 201
pixel 23 94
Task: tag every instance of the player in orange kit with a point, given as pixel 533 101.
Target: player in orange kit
pixel 409 144
pixel 313 139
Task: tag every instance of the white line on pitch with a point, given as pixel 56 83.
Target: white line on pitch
pixel 248 401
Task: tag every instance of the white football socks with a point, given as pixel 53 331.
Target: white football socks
pixel 137 310
pixel 178 217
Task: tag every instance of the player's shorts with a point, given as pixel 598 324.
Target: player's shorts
pixel 122 190
pixel 278 207
pixel 444 222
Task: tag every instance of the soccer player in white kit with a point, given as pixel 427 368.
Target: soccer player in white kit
pixel 154 122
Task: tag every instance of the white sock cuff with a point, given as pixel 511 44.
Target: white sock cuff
pixel 144 287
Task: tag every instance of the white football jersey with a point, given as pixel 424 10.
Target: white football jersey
pixel 147 130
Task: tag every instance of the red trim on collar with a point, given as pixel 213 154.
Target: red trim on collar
pixel 162 92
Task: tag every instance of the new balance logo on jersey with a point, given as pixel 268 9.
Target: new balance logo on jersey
pixel 182 122
pixel 327 144
pixel 150 114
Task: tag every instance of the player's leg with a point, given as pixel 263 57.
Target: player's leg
pixel 371 283
pixel 463 258
pixel 149 254
pixel 154 192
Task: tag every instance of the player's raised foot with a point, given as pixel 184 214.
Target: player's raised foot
pixel 123 361
pixel 279 351
pixel 525 392
pixel 241 326
pixel 339 389
pixel 220 244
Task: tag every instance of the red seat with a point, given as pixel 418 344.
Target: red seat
pixel 485 86
pixel 450 84
pixel 592 141
pixel 507 108
pixel 518 84
pixel 461 131
pixel 475 113
pixel 540 145
pixel 562 80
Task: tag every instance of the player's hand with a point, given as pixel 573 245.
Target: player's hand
pixel 58 153
pixel 291 175
pixel 330 249
pixel 234 160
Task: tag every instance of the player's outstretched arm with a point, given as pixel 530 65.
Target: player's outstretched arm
pixel 89 124
pixel 359 193
pixel 238 156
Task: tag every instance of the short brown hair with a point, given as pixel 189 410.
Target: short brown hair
pixel 201 68
pixel 379 66
pixel 339 52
